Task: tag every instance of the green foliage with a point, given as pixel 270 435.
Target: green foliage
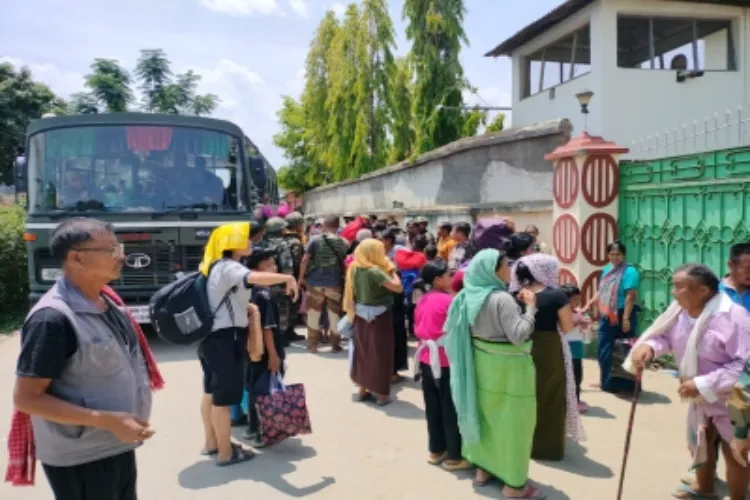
pixel 14 282
pixel 496 125
pixel 109 83
pixel 361 108
pixel 21 99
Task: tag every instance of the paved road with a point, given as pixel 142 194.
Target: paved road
pixel 358 451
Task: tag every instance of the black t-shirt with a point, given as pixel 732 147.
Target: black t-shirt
pixel 548 302
pixel 48 341
pixel 269 318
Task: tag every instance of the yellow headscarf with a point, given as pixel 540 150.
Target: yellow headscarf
pixel 234 236
pixel 370 253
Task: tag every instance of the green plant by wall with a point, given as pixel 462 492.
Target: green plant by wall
pixel 14 282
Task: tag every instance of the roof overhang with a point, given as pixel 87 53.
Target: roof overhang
pixel 566 10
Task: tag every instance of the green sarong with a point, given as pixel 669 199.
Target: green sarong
pixel 506 400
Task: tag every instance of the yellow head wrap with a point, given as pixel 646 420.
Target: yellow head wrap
pixel 370 253
pixel 234 236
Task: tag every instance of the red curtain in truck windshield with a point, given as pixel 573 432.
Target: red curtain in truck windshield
pixel 147 139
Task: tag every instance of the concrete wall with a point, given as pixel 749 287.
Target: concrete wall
pixel 503 173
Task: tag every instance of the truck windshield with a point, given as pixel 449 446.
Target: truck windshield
pixel 135 169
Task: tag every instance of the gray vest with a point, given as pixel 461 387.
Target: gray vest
pixel 101 375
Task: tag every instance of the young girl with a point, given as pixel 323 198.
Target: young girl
pixel 430 315
pixel 575 339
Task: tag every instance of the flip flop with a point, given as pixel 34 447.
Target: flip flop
pixel 685 489
pixel 479 483
pixel 383 402
pixel 437 459
pixel 529 493
pixel 239 455
pixel 456 466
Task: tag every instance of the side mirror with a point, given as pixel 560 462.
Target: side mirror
pixel 20 175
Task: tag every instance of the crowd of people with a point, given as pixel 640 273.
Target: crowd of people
pixel 499 357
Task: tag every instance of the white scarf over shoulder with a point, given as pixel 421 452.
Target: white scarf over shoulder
pixel 689 365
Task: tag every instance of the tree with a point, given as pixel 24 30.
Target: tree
pixel 110 84
pixel 375 70
pixel 496 125
pixel 205 104
pixel 21 100
pixel 298 175
pixel 154 72
pixel 341 104
pixel 435 29
pixel 83 103
pixel 402 125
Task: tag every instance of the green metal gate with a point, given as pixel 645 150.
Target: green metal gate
pixel 682 209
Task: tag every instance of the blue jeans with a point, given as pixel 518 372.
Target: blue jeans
pixel 608 334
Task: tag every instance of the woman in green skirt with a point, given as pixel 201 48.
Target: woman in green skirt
pixel 493 378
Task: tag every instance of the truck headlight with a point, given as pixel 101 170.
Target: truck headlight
pixel 51 273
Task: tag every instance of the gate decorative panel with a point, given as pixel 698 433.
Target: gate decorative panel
pixel 678 210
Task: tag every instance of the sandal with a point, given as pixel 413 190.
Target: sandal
pixel 456 465
pixel 383 402
pixel 437 458
pixel 211 453
pixel 686 491
pixel 239 455
pixel 481 483
pixel 529 492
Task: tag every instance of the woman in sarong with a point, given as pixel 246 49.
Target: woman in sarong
pixel 708 335
pixel 557 406
pixel 492 374
pixel 616 303
pixel 371 283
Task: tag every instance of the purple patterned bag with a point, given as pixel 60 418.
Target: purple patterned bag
pixel 283 412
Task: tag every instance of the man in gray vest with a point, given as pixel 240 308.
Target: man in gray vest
pixel 81 373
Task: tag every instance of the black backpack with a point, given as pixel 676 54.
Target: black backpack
pixel 180 312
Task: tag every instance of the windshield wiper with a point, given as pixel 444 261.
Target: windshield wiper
pixel 179 208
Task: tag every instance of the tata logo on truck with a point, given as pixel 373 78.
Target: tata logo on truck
pixel 138 260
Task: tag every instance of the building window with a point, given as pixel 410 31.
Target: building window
pixel 675 43
pixel 558 62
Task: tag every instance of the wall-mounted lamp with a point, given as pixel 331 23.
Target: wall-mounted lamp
pixel 584 98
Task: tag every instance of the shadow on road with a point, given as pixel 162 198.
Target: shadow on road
pixel 493 488
pixel 170 353
pixel 598 412
pixel 653 398
pixel 576 462
pixel 269 467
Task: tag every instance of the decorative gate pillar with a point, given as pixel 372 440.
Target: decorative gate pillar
pixel 586 180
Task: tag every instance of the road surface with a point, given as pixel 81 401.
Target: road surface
pixel 358 451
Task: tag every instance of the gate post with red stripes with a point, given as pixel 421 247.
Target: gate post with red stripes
pixel 585 187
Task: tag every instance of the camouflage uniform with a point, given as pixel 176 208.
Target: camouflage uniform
pixel 295 242
pixel 275 239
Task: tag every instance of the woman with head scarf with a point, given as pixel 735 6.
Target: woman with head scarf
pixel 371 283
pixel 223 353
pixel 557 408
pixel 492 374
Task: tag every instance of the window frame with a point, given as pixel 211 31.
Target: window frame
pixel 527 59
pixel 731 46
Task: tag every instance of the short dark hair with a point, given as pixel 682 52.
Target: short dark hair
pixel 463 227
pixel 738 250
pixel 570 290
pixel 447 226
pixel 517 244
pixel 331 222
pixel 702 274
pixel 617 246
pixel 390 234
pixel 430 272
pixel 73 232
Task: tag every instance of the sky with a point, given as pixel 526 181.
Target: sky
pixel 248 52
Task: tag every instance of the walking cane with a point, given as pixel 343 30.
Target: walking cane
pixel 629 432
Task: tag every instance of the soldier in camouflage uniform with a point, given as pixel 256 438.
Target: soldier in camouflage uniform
pixel 739 413
pixel 275 227
pixel 295 239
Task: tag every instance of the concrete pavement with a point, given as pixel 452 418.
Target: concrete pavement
pixel 358 451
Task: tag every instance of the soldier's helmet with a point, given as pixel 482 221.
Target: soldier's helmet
pixel 274 225
pixel 294 219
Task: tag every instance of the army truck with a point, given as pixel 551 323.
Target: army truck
pixel 163 181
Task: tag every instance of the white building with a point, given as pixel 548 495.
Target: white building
pixel 677 71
